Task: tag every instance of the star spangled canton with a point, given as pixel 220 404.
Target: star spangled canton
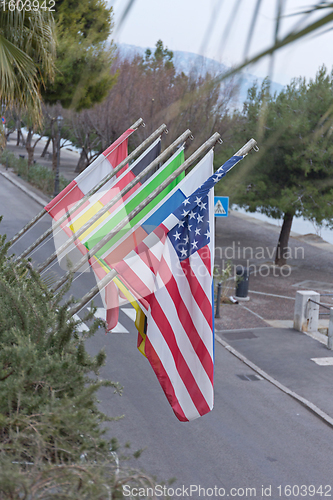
pixel 191 233
pixel 190 203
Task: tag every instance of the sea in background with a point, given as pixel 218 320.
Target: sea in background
pixel 300 225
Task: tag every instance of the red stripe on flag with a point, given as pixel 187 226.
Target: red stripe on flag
pixel 184 372
pixel 97 268
pixel 164 380
pixel 186 320
pixel 127 245
pixel 112 305
pixel 197 291
pixel 148 257
pixel 204 254
pixel 133 283
pixel 64 200
pixel 118 151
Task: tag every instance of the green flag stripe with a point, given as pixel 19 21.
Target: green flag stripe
pixel 133 202
pixel 140 215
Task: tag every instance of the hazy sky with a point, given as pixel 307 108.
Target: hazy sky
pixel 199 25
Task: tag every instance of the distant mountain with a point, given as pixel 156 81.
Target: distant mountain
pixel 188 62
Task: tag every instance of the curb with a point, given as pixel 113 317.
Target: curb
pixel 16 183
pixel 307 404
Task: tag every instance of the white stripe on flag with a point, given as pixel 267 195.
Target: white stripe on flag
pixel 199 320
pixel 184 344
pixel 113 182
pixel 161 347
pixel 83 180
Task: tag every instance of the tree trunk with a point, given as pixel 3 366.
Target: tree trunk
pixel 30 149
pixel 282 249
pixel 54 147
pixel 82 163
pixel 9 132
pixel 46 147
pixel 54 154
pixel 18 129
pixel 20 136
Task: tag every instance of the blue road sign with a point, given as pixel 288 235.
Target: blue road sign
pixel 221 206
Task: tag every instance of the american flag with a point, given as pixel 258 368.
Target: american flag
pixel 170 273
pixel 179 342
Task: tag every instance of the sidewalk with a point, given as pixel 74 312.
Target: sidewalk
pixel 243 240
pixel 259 331
pixel 290 360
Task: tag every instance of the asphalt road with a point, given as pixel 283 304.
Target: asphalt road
pixel 256 437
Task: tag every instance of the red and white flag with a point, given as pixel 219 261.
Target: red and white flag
pixel 102 166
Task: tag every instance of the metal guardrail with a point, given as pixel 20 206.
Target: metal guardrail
pixel 330 314
pixel 306 314
pixel 326 306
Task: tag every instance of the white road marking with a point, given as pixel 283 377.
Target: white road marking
pixel 83 327
pixel 323 361
pixel 119 328
pixel 130 312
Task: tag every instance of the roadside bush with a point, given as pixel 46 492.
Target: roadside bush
pixel 52 444
pixel 37 175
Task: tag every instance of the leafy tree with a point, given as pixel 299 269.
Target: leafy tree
pixel 83 54
pixel 162 57
pixel 292 175
pixel 84 57
pixel 150 87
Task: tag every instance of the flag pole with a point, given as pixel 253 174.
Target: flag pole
pixel 93 292
pixel 187 163
pixel 129 158
pixel 251 144
pixel 115 199
pixel 43 212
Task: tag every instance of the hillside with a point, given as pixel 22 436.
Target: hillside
pixel 189 62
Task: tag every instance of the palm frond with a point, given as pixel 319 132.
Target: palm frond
pixel 27 54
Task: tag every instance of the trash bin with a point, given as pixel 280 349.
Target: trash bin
pixel 242 281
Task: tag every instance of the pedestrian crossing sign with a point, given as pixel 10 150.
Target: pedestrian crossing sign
pixel 221 206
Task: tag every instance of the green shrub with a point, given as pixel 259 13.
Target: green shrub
pixel 38 176
pixel 52 444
